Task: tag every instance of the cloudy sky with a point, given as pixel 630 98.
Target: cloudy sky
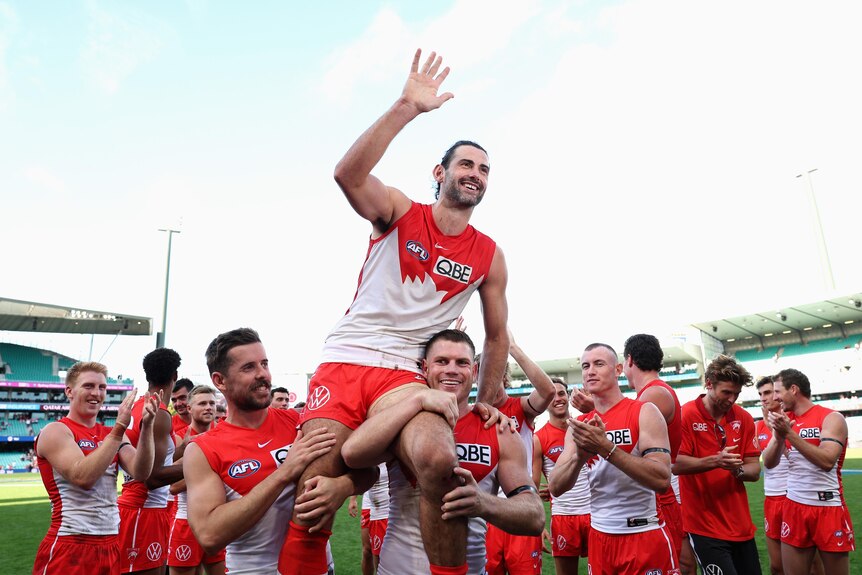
pixel 644 160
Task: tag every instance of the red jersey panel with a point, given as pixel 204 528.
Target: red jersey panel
pixel 415 282
pixel 715 503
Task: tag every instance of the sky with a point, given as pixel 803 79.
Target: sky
pixel 644 159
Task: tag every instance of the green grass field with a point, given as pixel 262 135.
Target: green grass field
pixel 25 514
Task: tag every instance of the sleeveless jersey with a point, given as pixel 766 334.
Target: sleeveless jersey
pixel 77 511
pixel 181 497
pixel 414 283
pixel 674 434
pixel 135 493
pixel 618 504
pixel 575 501
pixel 378 496
pixel 244 457
pixel 402 551
pixel 811 485
pixel 775 479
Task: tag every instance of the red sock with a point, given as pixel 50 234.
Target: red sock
pixel 441 570
pixel 303 553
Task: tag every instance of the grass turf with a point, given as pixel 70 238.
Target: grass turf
pixel 25 514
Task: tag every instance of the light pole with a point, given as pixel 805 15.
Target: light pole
pixel 821 238
pixel 160 337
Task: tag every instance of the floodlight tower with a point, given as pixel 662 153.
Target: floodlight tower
pixel 160 336
pixel 818 225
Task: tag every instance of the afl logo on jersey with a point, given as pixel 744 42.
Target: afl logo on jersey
pixel 244 468
pixel 86 444
pixel 417 250
pixel 555 449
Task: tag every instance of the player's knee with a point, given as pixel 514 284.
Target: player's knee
pixel 434 464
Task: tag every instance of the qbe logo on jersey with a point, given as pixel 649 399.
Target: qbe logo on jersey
pixel 451 269
pixel 280 454
pixel 809 433
pixel 474 453
pixel 619 436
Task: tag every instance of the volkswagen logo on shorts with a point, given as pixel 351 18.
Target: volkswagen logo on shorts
pixel 713 569
pixel 154 551
pixel 376 543
pixel 244 468
pixel 416 250
pixel 183 553
pixel 561 542
pixel 785 529
pixel 318 398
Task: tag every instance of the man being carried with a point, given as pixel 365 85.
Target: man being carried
pixel 815 517
pixel 488 459
pixel 423 264
pixel 78 462
pixel 626 446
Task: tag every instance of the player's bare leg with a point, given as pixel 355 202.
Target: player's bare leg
pixel 566 565
pixel 773 548
pixel 799 560
pixel 427 447
pixel 687 562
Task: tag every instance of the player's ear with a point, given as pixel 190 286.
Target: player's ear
pixel 439 172
pixel 424 366
pixel 68 392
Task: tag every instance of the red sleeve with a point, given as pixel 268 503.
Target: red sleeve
pixel 749 437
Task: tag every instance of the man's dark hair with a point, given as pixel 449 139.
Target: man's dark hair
pixel 726 368
pixel 447 157
pixel 560 381
pixel 763 381
pixel 161 365
pixel 218 348
pixel 278 390
pixel 795 377
pixel 645 351
pixel 453 335
pixel 183 383
pixel 299 405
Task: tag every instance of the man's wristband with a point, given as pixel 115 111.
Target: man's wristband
pixel 521 489
pixel 611 452
pixel 739 472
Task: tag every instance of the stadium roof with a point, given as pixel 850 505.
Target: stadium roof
pixel 29 316
pixel 833 317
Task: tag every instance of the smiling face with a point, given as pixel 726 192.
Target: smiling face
pixel 559 407
pixel 600 370
pixel 449 367
pixel 87 394
pixel 180 401
pixel 247 380
pixel 768 397
pixel 202 409
pixel 463 183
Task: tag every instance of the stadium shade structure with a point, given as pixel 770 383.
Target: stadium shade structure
pixel 16 315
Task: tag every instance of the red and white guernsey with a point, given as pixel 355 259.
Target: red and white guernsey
pixel 77 511
pixel 135 493
pixel 575 501
pixel 244 457
pixel 811 485
pixel 514 410
pixel 619 504
pixel 775 479
pixel 181 497
pixel 674 435
pixel 403 552
pixel 414 283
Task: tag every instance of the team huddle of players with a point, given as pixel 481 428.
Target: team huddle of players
pixel 258 491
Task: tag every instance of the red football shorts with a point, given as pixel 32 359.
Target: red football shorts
pixel 671 513
pixel 376 533
pixel 513 554
pixel 570 535
pixel 645 552
pixel 827 528
pixel 78 555
pixel 773 506
pixel 345 392
pixel 364 518
pixel 185 551
pixel 143 537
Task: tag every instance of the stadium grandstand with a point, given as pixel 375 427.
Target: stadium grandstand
pixel 32 379
pixel 822 339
